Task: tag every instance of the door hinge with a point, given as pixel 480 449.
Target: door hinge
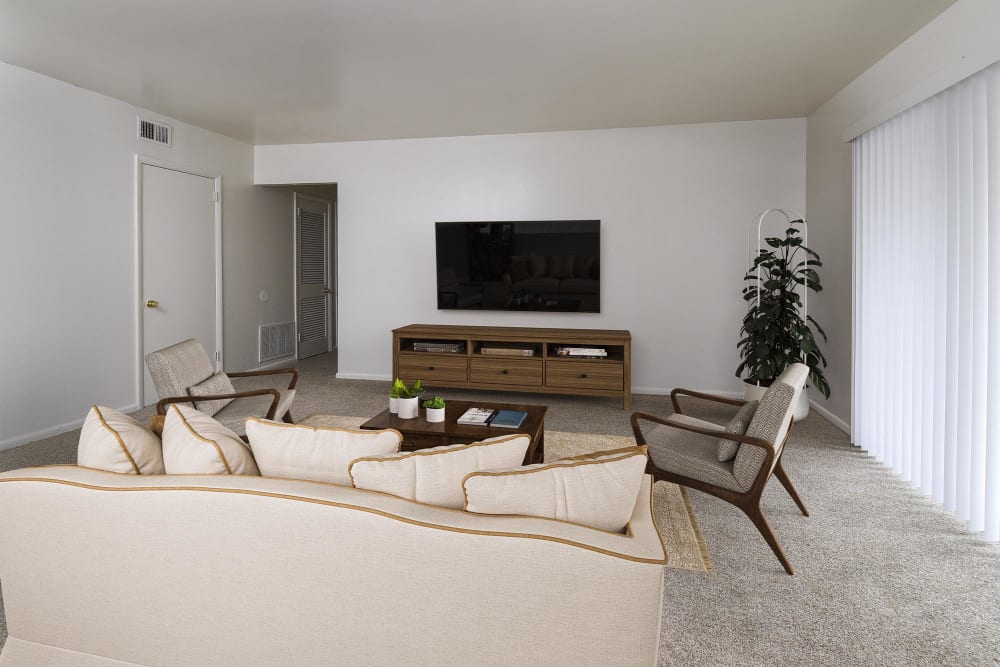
pixel 215 196
pixel 218 355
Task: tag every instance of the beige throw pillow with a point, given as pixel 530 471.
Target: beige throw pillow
pixel 111 440
pixel 598 492
pixel 213 385
pixel 434 476
pixel 315 453
pixel 194 443
pixel 738 425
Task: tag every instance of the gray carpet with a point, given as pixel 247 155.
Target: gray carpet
pixel 883 577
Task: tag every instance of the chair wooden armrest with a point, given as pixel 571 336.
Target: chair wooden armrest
pixel 270 371
pixel 715 433
pixel 702 395
pixel 161 405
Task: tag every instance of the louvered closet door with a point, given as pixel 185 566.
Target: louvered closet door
pixel 312 231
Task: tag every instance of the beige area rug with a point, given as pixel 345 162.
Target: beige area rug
pixel 672 509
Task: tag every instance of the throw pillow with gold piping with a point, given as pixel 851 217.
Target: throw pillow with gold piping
pixel 194 443
pixel 315 453
pixel 434 476
pixel 111 440
pixel 600 492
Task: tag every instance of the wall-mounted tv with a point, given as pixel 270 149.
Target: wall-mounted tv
pixel 542 265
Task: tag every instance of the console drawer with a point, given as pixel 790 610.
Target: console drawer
pixel 506 371
pixel 584 375
pixel 429 367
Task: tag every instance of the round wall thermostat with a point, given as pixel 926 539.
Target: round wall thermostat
pixel 264 296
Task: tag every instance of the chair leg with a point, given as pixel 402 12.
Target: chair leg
pixel 288 417
pixel 782 476
pixel 758 520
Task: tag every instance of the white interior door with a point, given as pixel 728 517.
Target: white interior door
pixel 314 290
pixel 178 288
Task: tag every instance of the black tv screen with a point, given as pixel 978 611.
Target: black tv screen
pixel 544 265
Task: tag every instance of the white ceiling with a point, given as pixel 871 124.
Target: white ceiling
pixel 296 71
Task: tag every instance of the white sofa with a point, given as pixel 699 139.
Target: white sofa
pixel 99 567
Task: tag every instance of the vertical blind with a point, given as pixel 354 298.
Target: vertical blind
pixel 927 297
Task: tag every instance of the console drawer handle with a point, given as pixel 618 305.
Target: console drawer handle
pixel 583 375
pixel 505 371
pixel 430 368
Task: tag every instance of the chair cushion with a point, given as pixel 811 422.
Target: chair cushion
pixel 178 367
pixel 775 406
pixel 600 492
pixel 214 385
pixel 688 454
pixel 434 476
pixel 235 414
pixel 739 425
pixel 111 440
pixel 194 443
pixel 315 453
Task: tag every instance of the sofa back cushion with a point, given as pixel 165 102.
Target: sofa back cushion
pixel 194 443
pixel 599 492
pixel 434 476
pixel 111 440
pixel 315 453
pixel 738 425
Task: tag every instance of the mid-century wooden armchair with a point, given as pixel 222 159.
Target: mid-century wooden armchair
pixel 687 451
pixel 183 373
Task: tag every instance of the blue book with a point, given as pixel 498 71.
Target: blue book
pixel 509 418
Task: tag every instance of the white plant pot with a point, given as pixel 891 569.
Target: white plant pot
pixel 435 414
pixel 393 405
pixel 408 407
pixel 800 410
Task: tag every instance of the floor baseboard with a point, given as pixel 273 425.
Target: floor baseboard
pixel 25 438
pixel 363 376
pixel 832 418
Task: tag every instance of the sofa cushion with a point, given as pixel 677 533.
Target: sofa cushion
pixel 214 385
pixel 583 265
pixel 320 454
pixel 542 285
pixel 520 268
pixel 738 425
pixel 111 440
pixel 599 492
pixel 434 476
pixel 537 264
pixel 194 443
pixel 579 286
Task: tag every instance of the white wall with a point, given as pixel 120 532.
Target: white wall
pixel 959 42
pixel 67 259
pixel 675 203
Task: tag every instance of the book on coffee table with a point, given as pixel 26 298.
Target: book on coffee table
pixel 509 418
pixel 476 416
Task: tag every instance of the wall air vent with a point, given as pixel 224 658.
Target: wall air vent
pixel 157 133
pixel 276 340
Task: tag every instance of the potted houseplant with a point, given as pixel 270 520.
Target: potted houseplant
pixel 407 398
pixel 776 331
pixel 435 409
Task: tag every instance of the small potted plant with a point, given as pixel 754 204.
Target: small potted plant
pixel 407 398
pixel 393 399
pixel 435 409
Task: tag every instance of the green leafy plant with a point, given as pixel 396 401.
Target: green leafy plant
pixel 774 333
pixel 400 390
pixel 436 404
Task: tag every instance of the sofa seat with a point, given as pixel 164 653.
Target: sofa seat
pixel 237 570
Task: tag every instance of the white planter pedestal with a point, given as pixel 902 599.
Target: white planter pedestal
pixel 800 410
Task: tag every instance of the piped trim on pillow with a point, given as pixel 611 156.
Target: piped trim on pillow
pixel 635 449
pixel 118 437
pixel 433 451
pixel 541 467
pixel 222 456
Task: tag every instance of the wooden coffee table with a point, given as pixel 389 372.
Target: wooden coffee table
pixel 418 433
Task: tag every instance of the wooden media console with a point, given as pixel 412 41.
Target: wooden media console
pixel 522 359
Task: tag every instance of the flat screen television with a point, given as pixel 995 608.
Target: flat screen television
pixel 543 265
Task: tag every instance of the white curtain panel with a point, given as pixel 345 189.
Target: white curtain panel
pixel 927 297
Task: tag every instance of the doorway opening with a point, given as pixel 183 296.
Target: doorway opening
pixel 315 271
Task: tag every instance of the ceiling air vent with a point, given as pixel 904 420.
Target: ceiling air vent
pixel 157 133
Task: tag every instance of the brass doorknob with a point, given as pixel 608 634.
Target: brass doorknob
pixel 152 303
pixel 327 290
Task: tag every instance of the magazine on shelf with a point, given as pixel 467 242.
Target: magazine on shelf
pixel 587 352
pixel 509 418
pixel 476 416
